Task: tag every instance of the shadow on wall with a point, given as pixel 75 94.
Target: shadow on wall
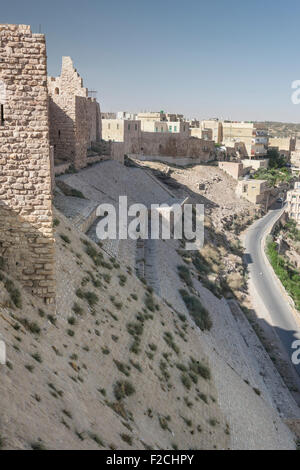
pixel 71 132
pixel 61 133
pixel 27 252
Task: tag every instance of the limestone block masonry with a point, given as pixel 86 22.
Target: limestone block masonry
pixel 75 118
pixel 26 233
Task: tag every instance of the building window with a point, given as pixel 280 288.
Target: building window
pixel 59 134
pixel 129 127
pixel 2 120
pixel 161 129
pixel 156 129
pixel 170 128
pixel 117 126
pixel 108 126
pixel 135 127
pixel 175 128
pixel 56 91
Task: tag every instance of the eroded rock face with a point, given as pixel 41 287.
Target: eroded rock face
pixel 26 234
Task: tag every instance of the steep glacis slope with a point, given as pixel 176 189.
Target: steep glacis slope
pixel 116 367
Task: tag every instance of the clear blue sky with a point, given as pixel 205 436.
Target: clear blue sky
pixel 232 59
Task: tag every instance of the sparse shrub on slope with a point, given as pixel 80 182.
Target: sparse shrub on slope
pixel 199 314
pixel 185 275
pixel 201 264
pixel 123 389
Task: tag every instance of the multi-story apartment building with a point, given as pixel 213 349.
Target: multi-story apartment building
pixel 123 130
pixel 254 137
pixel 293 200
pixel 166 126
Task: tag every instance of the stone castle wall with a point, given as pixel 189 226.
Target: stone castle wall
pixel 94 120
pixel 176 145
pixel 26 233
pixel 75 119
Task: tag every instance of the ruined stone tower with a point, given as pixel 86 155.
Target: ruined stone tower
pixel 26 233
pixel 75 118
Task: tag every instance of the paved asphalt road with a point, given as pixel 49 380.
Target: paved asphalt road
pixel 266 287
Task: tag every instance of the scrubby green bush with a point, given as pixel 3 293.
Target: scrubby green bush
pixel 199 314
pixel 289 277
pixel 186 381
pixel 123 389
pixel 185 275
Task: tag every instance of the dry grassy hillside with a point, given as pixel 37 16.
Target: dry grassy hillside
pixel 283 129
pixel 115 368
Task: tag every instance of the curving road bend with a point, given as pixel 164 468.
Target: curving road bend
pixel 282 316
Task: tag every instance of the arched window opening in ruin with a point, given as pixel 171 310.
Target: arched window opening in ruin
pixel 56 91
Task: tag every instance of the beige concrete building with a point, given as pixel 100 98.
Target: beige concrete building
pixel 284 145
pixel 216 128
pixel 254 136
pixel 123 115
pixel 293 199
pixel 160 116
pixel 295 155
pixel 206 134
pixel 166 126
pixel 255 191
pixel 295 158
pixel 255 164
pixel 234 169
pixel 123 130
pixel 26 222
pixel 152 116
